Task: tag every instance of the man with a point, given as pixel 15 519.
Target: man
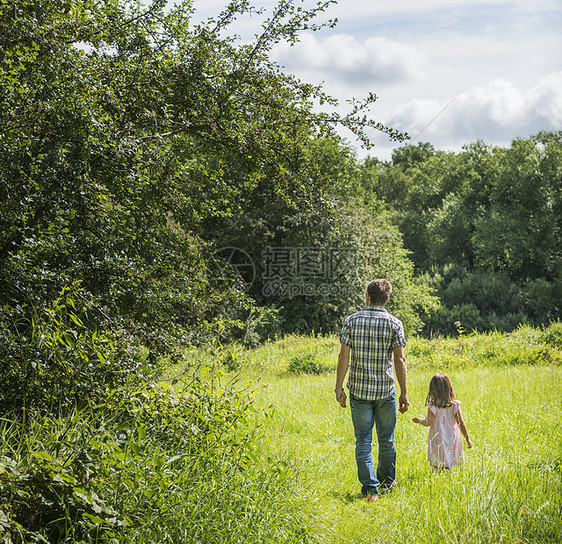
pixel 373 338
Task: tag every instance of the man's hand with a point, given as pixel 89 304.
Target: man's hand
pixel 403 402
pixel 341 397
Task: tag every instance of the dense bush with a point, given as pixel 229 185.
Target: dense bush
pixel 148 465
pixel 524 345
pixel 482 301
pixel 52 359
pixel 307 363
pixel 553 334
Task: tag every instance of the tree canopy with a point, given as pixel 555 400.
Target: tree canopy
pixel 484 228
pixel 135 143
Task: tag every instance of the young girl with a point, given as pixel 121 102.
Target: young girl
pixel 444 419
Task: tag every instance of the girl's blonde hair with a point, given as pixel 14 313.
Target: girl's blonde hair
pixel 441 392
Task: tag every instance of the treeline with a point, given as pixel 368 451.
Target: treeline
pixel 484 228
pixel 183 188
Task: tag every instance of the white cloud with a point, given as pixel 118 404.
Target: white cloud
pixel 343 58
pixel 499 58
pixel 500 103
pixel 546 99
pixel 496 113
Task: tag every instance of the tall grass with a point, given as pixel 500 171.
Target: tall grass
pixel 148 465
pixel 250 446
pixel 508 490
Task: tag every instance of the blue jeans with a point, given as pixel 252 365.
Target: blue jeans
pixel 365 415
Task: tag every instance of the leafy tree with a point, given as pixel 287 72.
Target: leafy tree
pixel 520 233
pixel 410 156
pixel 118 123
pixel 312 264
pixel 423 198
pixel 493 213
pixel 480 300
pixel 391 182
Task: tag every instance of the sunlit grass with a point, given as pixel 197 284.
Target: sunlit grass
pixel 509 488
pixel 250 446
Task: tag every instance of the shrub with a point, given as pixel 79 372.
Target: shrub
pixel 51 360
pixel 306 363
pixel 553 334
pixel 482 301
pixel 151 464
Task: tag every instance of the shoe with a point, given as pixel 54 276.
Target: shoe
pixel 372 498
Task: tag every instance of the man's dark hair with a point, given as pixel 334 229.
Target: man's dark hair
pixel 379 292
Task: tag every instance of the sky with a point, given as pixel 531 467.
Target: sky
pixel 447 72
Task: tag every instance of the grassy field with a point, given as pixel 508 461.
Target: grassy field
pixel 248 445
pixel 509 489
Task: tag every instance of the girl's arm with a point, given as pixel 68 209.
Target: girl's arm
pixel 463 429
pixel 425 422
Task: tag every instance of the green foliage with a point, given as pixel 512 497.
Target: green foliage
pixel 481 300
pixel 307 363
pixel 56 361
pixel 134 144
pixel 483 227
pixel 312 264
pixel 148 465
pixel 125 129
pixel 553 335
pixel 46 500
pixel 229 356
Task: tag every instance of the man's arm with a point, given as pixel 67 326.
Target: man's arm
pixel 402 377
pixel 343 365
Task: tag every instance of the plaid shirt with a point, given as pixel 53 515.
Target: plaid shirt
pixel 372 334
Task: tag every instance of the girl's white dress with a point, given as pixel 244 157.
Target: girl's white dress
pixel 444 447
